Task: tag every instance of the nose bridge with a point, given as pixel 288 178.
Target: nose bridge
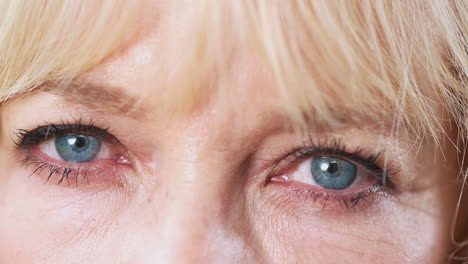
pixel 195 209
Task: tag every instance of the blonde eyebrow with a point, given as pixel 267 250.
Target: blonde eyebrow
pixel 109 99
pixel 115 100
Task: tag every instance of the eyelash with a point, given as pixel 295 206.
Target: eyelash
pixel 28 139
pixel 311 149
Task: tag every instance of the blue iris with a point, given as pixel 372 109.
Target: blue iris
pixel 333 173
pixel 77 148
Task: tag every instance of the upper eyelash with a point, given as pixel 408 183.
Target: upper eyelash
pixel 26 139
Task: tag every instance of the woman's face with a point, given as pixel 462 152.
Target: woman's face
pixel 101 174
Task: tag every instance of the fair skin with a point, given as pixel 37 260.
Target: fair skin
pixel 212 185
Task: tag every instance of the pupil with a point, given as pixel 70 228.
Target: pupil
pixel 332 167
pixel 80 142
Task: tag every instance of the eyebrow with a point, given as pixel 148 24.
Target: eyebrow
pixel 115 100
pixel 110 99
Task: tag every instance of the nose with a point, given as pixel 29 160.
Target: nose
pixel 199 213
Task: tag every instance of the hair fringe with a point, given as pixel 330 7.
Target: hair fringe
pixel 397 60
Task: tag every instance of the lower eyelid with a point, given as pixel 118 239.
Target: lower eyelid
pixel 102 174
pixel 91 175
pixel 307 199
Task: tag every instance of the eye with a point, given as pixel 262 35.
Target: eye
pixel 75 148
pixel 333 173
pixel 74 152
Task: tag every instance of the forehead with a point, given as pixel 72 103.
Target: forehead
pixel 164 56
pixel 184 56
pixel 158 66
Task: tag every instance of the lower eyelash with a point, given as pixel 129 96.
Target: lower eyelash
pixel 348 201
pixel 64 173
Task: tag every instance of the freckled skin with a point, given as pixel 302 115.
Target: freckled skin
pixel 195 192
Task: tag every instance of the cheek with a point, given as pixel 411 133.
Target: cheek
pixel 40 221
pixel 393 232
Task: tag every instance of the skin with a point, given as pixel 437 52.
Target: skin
pixel 194 187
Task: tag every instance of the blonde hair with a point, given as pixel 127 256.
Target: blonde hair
pixel 392 61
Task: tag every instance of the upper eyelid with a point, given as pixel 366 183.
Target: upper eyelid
pixel 367 160
pixel 308 152
pixel 358 155
pixel 362 160
pixel 30 138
